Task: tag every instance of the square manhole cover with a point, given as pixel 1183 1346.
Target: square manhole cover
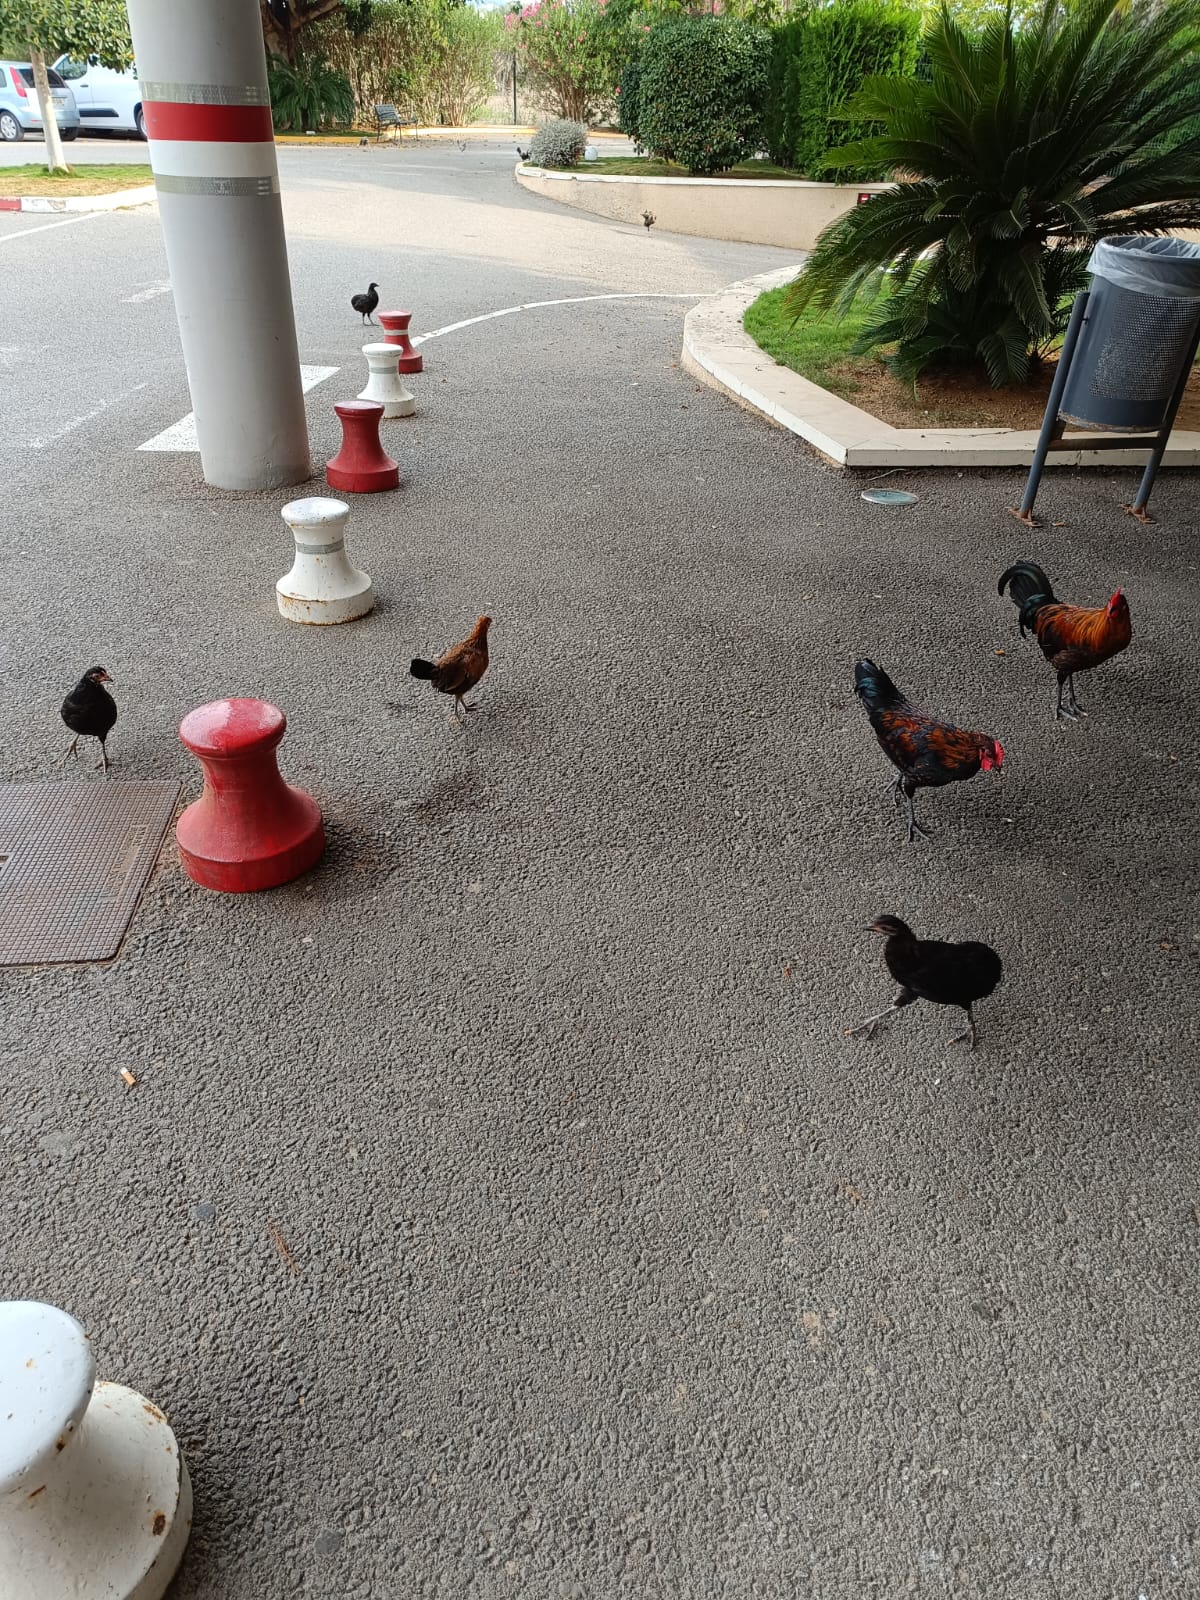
pixel 74 859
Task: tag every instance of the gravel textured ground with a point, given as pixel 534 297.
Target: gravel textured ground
pixel 612 1268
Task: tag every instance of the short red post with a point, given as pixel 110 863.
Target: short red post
pixel 395 326
pixel 249 829
pixel 361 466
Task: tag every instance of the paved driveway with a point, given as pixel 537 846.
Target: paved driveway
pixel 615 1269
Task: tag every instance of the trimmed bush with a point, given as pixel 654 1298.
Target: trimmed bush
pixel 627 99
pixel 701 92
pixel 818 64
pixel 558 143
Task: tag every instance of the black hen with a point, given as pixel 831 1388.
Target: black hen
pixel 364 304
pixel 524 154
pixel 930 969
pixel 90 712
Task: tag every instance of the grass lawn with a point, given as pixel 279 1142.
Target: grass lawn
pixel 83 180
pixel 948 397
pixel 645 167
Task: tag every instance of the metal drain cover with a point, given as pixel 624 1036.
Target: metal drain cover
pixel 74 859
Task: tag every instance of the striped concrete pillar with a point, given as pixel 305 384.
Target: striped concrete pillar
pixel 203 73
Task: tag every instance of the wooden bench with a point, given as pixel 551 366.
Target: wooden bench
pixel 387 117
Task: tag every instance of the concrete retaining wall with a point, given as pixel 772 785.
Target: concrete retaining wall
pixel 751 210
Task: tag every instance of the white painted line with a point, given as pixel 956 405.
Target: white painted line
pixel 573 300
pixel 78 422
pixel 44 227
pixel 182 434
pixel 151 292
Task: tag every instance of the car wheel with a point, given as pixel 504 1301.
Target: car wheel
pixel 10 129
pixel 67 134
pixel 139 123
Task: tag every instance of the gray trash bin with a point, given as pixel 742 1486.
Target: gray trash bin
pixel 1142 316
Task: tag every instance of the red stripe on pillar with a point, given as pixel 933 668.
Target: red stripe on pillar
pixel 10 205
pixel 167 119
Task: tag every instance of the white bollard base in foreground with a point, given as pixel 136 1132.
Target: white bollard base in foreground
pixel 385 383
pixel 322 586
pixel 95 1499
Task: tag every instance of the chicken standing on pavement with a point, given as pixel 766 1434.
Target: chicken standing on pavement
pixel 90 712
pixel 364 304
pixel 460 669
pixel 1073 638
pixel 930 969
pixel 926 752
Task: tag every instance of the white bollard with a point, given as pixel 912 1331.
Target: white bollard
pixel 385 384
pixel 95 1500
pixel 322 586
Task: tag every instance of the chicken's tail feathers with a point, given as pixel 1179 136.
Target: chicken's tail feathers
pixel 1029 588
pixel 419 668
pixel 874 688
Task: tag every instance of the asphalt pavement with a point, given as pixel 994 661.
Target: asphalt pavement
pixel 613 1268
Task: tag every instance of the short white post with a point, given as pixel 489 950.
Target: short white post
pixel 95 1498
pixel 322 586
pixel 385 384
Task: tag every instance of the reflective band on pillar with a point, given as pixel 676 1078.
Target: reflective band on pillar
pixel 207 94
pixel 170 183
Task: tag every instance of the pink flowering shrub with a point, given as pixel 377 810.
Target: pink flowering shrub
pixel 568 55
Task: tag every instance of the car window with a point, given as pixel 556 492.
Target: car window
pixel 72 69
pixel 53 79
pixel 26 76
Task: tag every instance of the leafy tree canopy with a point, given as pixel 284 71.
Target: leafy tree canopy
pixel 68 27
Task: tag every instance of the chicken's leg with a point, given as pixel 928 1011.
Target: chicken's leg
pixel 72 750
pixel 1075 706
pixel 904 998
pixel 1070 710
pixel 103 761
pixel 914 827
pixel 968 1032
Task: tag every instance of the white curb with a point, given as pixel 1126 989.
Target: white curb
pixel 717 349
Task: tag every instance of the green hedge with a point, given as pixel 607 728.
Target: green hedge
pixel 818 62
pixel 701 91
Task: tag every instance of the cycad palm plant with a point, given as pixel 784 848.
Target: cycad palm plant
pixel 1025 145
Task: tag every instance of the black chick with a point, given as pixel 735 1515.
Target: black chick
pixel 90 711
pixel 524 154
pixel 366 303
pixel 929 969
pixel 649 219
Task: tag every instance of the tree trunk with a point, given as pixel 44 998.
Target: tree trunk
pixel 55 159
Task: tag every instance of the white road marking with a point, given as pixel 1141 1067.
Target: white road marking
pixel 572 300
pixel 182 434
pixel 44 227
pixel 78 422
pixel 151 292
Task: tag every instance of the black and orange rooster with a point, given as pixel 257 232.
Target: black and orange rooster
pixel 925 751
pixel 1073 638
pixel 460 669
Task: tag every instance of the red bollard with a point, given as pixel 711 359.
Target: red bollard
pixel 361 466
pixel 395 326
pixel 248 830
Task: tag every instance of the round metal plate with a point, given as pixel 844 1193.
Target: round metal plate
pixel 889 497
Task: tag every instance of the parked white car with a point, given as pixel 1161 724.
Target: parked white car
pixel 106 99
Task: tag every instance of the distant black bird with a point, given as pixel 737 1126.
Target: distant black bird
pixel 649 219
pixel 929 969
pixel 366 303
pixel 462 144
pixel 524 154
pixel 90 711
pixel 362 144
